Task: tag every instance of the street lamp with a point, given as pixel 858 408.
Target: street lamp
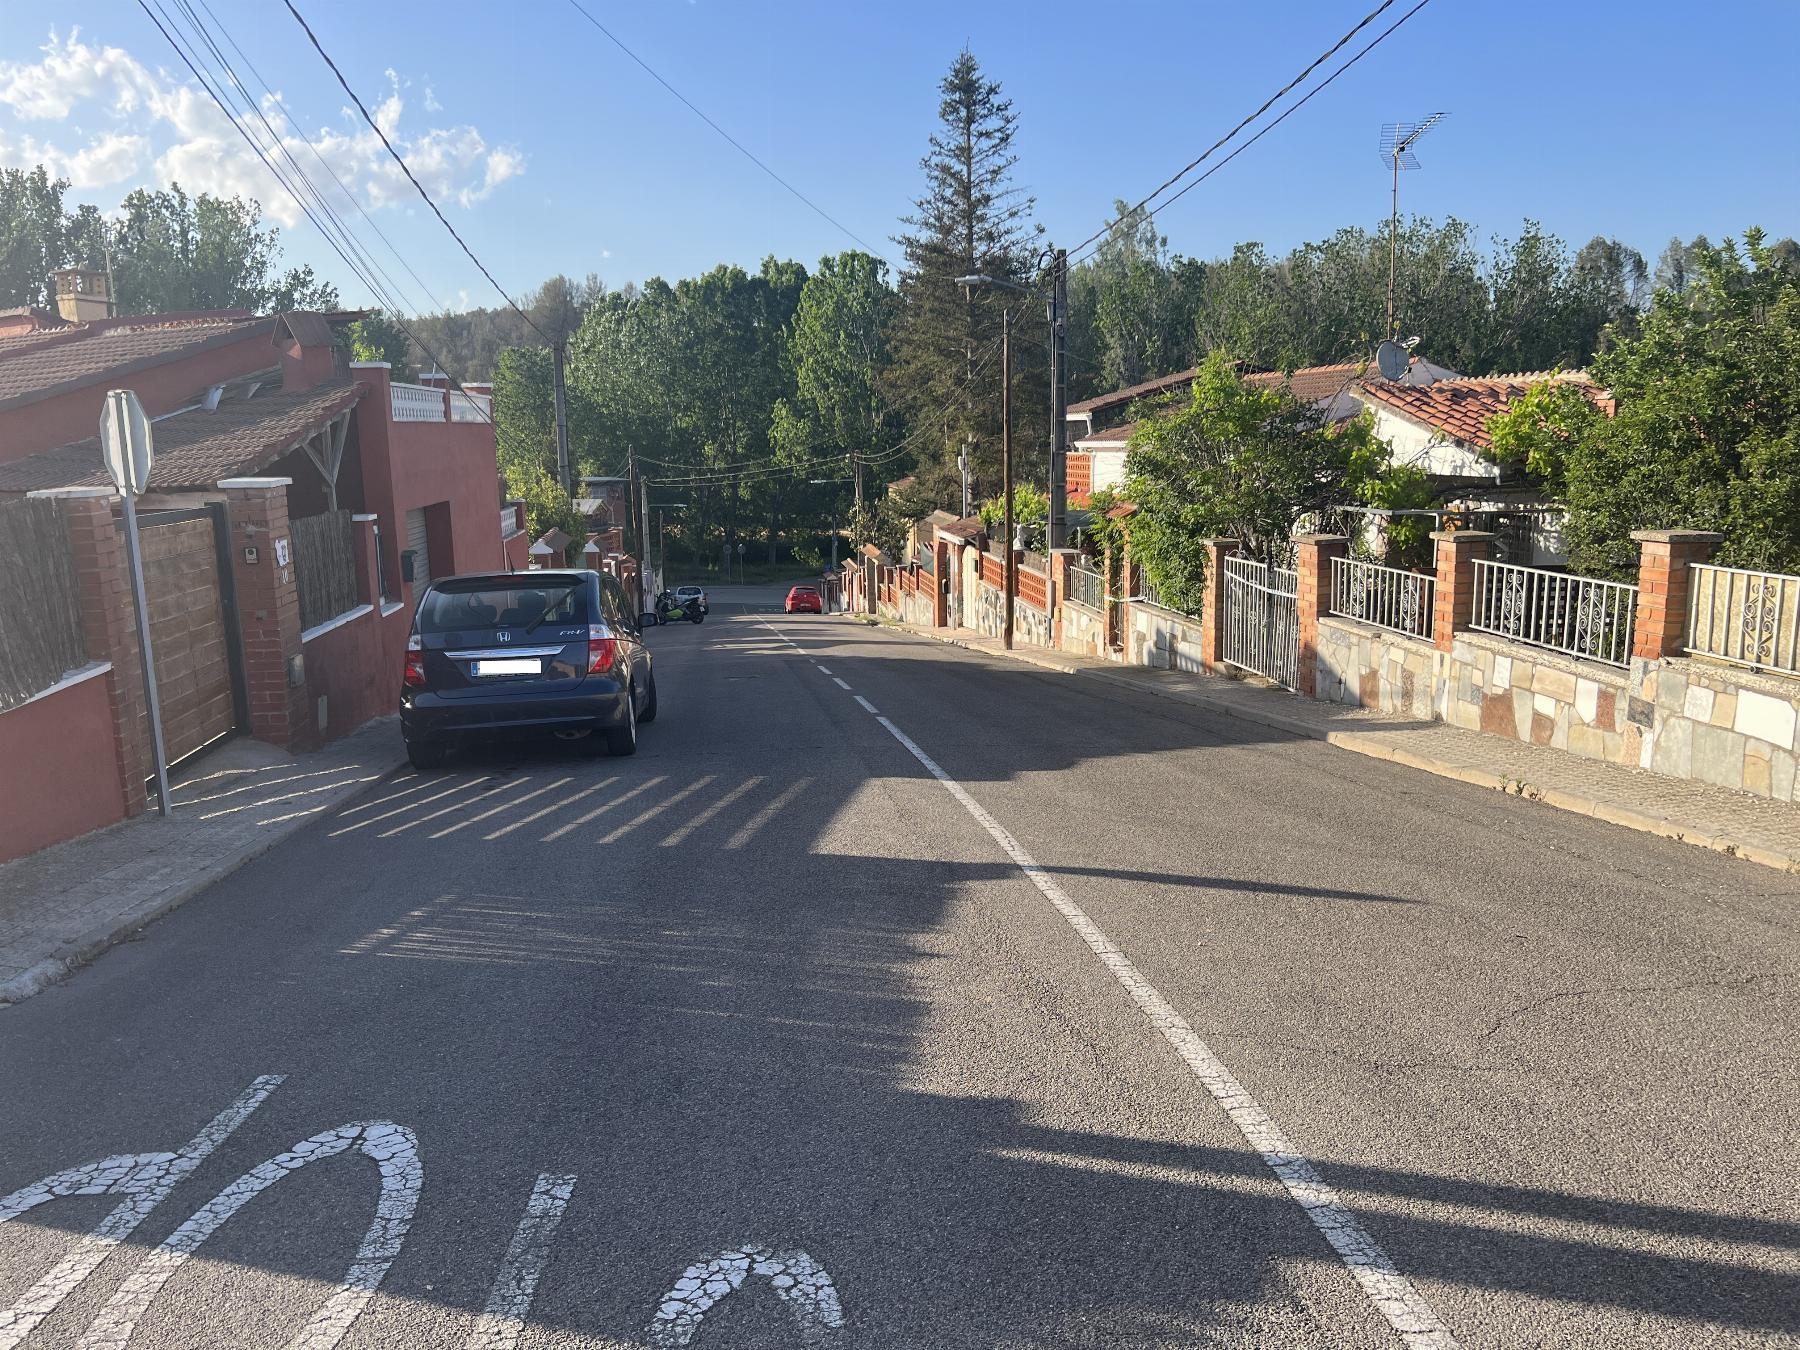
pixel 1006 459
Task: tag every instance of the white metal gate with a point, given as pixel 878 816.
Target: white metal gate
pixel 1262 619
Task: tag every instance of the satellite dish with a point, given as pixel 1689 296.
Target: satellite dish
pixel 1392 360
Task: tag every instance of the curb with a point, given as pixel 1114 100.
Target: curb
pixel 77 952
pixel 1371 746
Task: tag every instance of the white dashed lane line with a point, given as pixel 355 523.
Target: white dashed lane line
pixel 1392 1294
pixel 840 684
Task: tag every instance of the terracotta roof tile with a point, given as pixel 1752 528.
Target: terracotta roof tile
pixel 1461 408
pixel 196 449
pixel 1111 436
pixel 34 365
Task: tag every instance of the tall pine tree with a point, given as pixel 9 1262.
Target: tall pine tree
pixel 970 220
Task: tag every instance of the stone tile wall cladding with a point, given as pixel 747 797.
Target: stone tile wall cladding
pixel 1682 716
pixel 1030 624
pixel 1164 639
pixel 1083 629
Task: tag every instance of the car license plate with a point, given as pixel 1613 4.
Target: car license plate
pixel 514 666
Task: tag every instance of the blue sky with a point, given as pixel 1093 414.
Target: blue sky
pixel 552 152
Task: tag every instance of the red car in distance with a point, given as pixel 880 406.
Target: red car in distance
pixel 805 600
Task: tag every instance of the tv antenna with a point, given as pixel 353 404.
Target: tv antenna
pixel 1397 141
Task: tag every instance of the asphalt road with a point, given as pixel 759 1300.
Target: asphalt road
pixel 770 1036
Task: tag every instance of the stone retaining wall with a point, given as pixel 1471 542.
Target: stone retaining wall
pixel 1164 639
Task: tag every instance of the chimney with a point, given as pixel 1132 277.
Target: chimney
pixel 82 295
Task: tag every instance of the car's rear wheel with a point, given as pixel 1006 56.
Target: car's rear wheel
pixel 623 740
pixel 649 713
pixel 426 755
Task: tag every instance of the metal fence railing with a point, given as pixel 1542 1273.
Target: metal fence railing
pixel 1387 597
pixel 416 403
pixel 1580 616
pixel 1087 587
pixel 324 566
pixel 466 407
pixel 1745 617
pixel 41 637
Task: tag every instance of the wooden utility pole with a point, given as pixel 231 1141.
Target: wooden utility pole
pixel 1056 533
pixel 1006 470
pixel 632 488
pixel 563 472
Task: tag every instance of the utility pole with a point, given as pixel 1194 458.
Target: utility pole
pixel 562 429
pixel 1006 469
pixel 1057 531
pixel 963 463
pixel 631 508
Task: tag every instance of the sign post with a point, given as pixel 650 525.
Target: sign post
pixel 125 443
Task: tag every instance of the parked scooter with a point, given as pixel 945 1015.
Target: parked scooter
pixel 669 609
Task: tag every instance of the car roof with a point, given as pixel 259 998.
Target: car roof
pixel 568 575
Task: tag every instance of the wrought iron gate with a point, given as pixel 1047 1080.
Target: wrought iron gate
pixel 1262 619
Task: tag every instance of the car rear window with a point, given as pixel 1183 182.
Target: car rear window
pixel 805 590
pixel 458 607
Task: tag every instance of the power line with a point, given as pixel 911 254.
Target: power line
pixel 730 139
pixel 375 126
pixel 256 149
pixel 323 162
pixel 1186 169
pixel 1290 111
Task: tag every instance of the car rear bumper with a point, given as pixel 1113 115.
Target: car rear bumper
pixel 599 704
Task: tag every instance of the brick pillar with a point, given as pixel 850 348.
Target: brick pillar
pixel 1212 615
pixel 1313 557
pixel 1457 553
pixel 1662 605
pixel 268 602
pixel 109 630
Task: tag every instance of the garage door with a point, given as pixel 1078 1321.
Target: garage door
pixel 416 542
pixel 189 629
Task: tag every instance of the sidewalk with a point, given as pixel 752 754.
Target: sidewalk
pixel 64 905
pixel 1737 823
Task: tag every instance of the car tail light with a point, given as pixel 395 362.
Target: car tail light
pixel 603 650
pixel 414 678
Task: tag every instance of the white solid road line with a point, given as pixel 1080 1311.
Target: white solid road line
pixel 1393 1295
pixel 509 1303
pixel 650 812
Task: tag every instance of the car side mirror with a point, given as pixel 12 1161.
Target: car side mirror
pixel 648 619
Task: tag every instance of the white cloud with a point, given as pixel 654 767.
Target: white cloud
pixel 431 100
pixel 174 129
pixel 109 159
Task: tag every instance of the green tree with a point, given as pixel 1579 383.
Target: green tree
pixel 969 220
pixel 1031 513
pixel 1707 429
pixel 173 252
pixel 376 337
pixel 1240 461
pixel 38 236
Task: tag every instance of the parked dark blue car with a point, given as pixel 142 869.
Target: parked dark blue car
pixel 521 654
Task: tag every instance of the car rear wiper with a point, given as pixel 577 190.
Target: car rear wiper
pixel 538 622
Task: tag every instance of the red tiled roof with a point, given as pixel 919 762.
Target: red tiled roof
pixel 1162 384
pixel 1312 384
pixel 196 449
pixel 1309 384
pixel 36 365
pixel 1461 408
pixel 1111 436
